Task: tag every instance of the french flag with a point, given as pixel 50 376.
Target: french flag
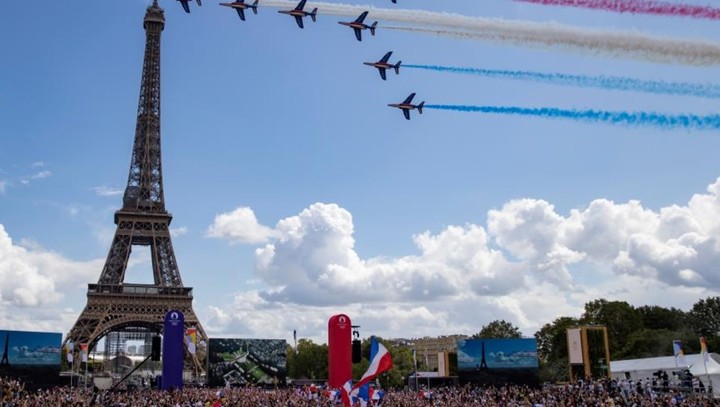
pixel 382 361
pixel 347 393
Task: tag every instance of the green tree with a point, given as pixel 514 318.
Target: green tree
pixel 498 329
pixel 705 317
pixel 552 349
pixel 308 361
pixel 646 343
pixel 402 364
pixel 620 318
pixel 658 318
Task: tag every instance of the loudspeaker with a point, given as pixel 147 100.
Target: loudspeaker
pixel 155 353
pixel 356 356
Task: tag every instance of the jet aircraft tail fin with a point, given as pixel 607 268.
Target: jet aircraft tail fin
pixel 254 6
pixel 420 106
pixel 313 14
pixel 373 27
pixel 397 67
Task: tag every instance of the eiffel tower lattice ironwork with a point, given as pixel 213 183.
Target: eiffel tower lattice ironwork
pixel 112 304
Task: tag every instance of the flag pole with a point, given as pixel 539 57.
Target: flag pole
pixel 705 355
pixel 417 387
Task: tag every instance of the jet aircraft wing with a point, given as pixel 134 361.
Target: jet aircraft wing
pixel 382 73
pixel 409 98
pixel 358 34
pixel 386 57
pixel 241 13
pixel 185 5
pixel 299 21
pixel 362 17
pixel 406 113
pixel 300 5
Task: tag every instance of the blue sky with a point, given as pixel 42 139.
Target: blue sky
pixel 298 194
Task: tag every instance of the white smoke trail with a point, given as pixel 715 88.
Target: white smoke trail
pixel 615 43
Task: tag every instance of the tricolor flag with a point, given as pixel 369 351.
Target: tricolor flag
pixel 346 393
pixel 84 352
pixel 69 351
pixel 376 395
pixel 382 361
pixel 679 354
pixel 191 340
pixel 704 349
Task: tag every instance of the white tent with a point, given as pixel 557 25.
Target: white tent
pixel 708 371
pixel 635 369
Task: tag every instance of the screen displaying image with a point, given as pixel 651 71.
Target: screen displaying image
pixel 238 362
pixel 33 357
pixel 498 361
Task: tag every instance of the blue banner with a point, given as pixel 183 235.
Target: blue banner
pixel 173 350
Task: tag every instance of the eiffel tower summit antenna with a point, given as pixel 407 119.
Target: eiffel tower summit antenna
pixel 113 305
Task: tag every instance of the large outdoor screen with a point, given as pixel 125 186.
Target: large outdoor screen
pixel 498 361
pixel 238 362
pixel 33 357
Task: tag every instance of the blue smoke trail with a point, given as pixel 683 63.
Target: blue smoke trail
pixel 706 90
pixel 686 121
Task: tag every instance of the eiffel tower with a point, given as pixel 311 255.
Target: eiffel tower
pixel 113 305
pixel 483 363
pixel 5 362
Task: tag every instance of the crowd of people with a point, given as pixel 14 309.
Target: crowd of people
pixel 582 394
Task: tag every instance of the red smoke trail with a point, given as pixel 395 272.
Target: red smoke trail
pixel 638 7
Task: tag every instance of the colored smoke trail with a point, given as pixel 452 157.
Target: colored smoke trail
pixel 710 122
pixel 564 37
pixel 615 44
pixel 660 8
pixel 603 82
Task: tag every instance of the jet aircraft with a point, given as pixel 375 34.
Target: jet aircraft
pixel 299 13
pixel 406 106
pixel 240 6
pixel 358 25
pixel 382 65
pixel 186 6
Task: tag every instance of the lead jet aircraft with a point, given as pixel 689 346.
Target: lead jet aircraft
pixel 299 13
pixel 186 6
pixel 240 6
pixel 407 106
pixel 382 65
pixel 358 25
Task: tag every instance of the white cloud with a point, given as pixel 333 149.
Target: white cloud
pixel 38 175
pixel 176 232
pixel 530 266
pixel 239 225
pixel 3 185
pixel 313 261
pixel 34 277
pixel 107 191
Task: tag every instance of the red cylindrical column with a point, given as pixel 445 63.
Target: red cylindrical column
pixel 339 350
